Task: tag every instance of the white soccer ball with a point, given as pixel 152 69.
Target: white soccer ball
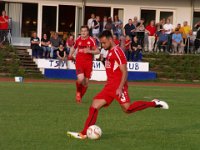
pixel 94 132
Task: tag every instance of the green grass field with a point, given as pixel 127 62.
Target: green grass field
pixel 36 116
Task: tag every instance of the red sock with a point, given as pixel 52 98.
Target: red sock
pixel 91 120
pixel 140 105
pixel 78 87
pixel 83 91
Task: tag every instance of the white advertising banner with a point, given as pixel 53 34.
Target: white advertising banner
pixel 97 65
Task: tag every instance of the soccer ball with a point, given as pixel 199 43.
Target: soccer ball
pixel 94 132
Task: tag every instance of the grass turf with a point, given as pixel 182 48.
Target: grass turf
pixel 36 116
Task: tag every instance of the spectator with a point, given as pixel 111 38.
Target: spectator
pixel 127 48
pixel 185 29
pixel 55 42
pixel 36 49
pixel 177 42
pixel 122 42
pixel 89 23
pixel 160 25
pixel 109 25
pixel 168 27
pixel 69 43
pixel 136 50
pixel 135 21
pixel 61 55
pixel 45 42
pixel 197 40
pixel 103 55
pixel 115 39
pixel 190 42
pixel 103 24
pixel 117 26
pixel 179 27
pixel 96 27
pixel 140 31
pixel 129 29
pixel 151 30
pixel 162 40
pixel 3 26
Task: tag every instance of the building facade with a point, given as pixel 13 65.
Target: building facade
pixel 66 16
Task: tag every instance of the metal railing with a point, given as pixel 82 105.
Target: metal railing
pixel 5 37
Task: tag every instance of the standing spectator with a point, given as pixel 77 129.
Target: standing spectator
pixel 55 42
pixel 62 57
pixel 103 24
pixel 122 42
pixel 197 40
pixel 129 29
pixel 3 26
pixel 168 27
pixel 36 49
pixel 185 29
pixel 109 24
pixel 177 42
pixel 162 40
pixel 90 21
pixel 160 25
pixel 140 31
pixel 136 50
pixel 96 27
pixel 127 48
pixel 151 30
pixel 45 42
pixel 69 43
pixel 179 27
pixel 135 21
pixel 118 26
pixel 115 39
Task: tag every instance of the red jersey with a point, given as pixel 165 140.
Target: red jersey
pixel 116 41
pixel 114 58
pixel 152 30
pixel 127 47
pixel 3 26
pixel 84 43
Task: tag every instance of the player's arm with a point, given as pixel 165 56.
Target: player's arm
pixel 72 50
pixel 123 69
pixel 94 50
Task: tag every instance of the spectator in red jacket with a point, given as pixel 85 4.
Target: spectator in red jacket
pixel 151 30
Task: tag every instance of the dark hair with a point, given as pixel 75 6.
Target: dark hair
pixel 106 33
pixel 85 26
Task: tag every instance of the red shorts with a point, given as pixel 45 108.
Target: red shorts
pixel 84 67
pixel 109 94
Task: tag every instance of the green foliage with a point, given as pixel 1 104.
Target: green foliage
pixel 9 62
pixel 186 67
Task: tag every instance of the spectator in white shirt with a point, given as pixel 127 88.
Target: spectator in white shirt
pixel 90 21
pixel 168 27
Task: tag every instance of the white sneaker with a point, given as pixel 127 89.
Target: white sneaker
pixel 161 104
pixel 76 135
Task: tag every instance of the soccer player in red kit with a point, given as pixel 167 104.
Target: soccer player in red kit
pixel 115 88
pixel 86 48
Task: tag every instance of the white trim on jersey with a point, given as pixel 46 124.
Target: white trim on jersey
pixel 115 50
pixel 92 40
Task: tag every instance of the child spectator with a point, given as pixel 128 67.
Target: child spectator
pixel 136 50
pixel 45 42
pixel 69 43
pixel 61 55
pixel 127 47
pixel 115 39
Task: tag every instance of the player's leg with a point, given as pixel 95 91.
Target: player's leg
pixel 80 79
pixel 84 86
pixel 91 119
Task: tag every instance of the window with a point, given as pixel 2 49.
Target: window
pixel 66 18
pixel 148 15
pixel 29 18
pixel 49 14
pixel 119 12
pixel 196 19
pixel 2 6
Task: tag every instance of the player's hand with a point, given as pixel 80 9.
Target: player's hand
pixel 70 58
pixel 119 92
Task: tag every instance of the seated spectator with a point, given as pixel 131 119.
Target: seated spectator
pixel 55 42
pixel 36 49
pixel 61 55
pixel 162 40
pixel 103 55
pixel 197 40
pixel 177 42
pixel 115 39
pixel 69 43
pixel 128 48
pixel 45 42
pixel 136 50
